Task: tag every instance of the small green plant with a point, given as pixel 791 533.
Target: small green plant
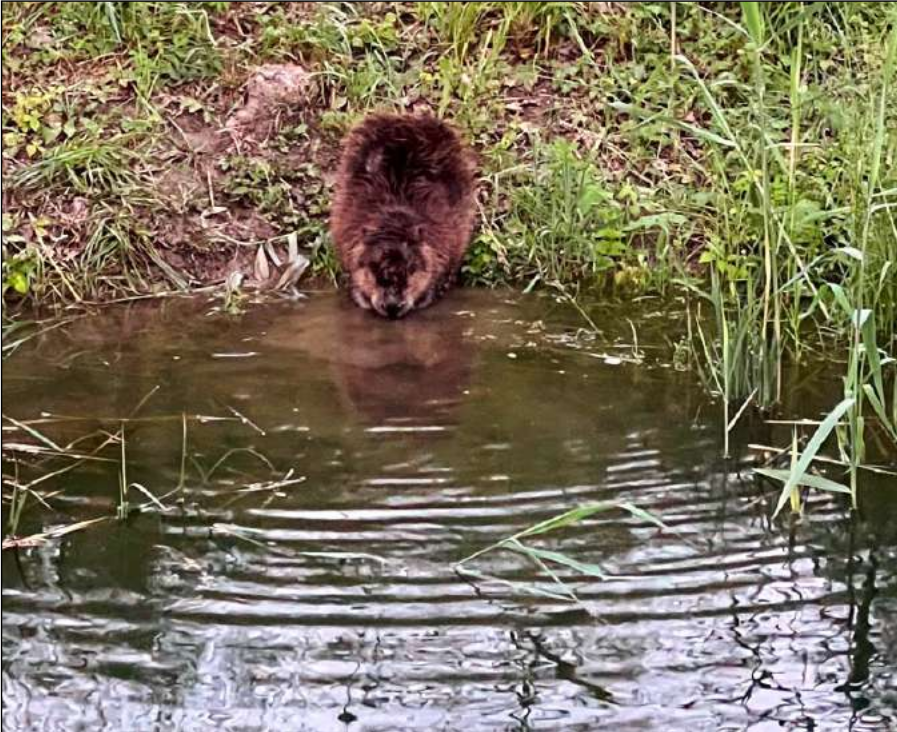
pixel 21 264
pixel 235 297
pixel 545 560
pixel 19 270
pixel 32 123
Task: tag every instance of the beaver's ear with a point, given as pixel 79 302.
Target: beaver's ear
pixel 417 233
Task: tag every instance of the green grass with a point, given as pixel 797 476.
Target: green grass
pixel 546 561
pixel 792 280
pixel 742 153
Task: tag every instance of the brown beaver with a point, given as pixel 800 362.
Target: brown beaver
pixel 403 211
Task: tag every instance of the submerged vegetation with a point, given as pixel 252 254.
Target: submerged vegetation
pixel 743 154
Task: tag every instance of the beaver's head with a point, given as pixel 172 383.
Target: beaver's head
pixel 393 275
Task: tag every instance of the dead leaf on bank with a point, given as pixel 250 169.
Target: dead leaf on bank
pixel 292 247
pixel 271 251
pixel 261 270
pixel 293 272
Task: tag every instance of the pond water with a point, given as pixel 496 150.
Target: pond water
pixel 322 472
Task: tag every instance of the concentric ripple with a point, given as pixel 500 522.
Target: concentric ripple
pixel 320 489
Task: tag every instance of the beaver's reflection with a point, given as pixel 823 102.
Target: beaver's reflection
pixel 412 372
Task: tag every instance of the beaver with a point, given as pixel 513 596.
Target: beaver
pixel 403 211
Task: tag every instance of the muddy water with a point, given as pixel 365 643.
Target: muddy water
pixel 330 602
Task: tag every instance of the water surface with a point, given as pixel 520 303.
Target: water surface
pixel 335 468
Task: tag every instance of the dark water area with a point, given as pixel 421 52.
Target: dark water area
pixel 337 466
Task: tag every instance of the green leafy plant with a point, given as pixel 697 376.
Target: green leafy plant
pixel 547 561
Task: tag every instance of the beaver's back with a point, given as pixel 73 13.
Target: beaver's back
pixel 415 164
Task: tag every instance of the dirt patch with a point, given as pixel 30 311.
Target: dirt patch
pixel 198 136
pixel 211 223
pixel 269 89
pixel 235 167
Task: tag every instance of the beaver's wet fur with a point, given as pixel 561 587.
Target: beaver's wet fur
pixel 403 211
